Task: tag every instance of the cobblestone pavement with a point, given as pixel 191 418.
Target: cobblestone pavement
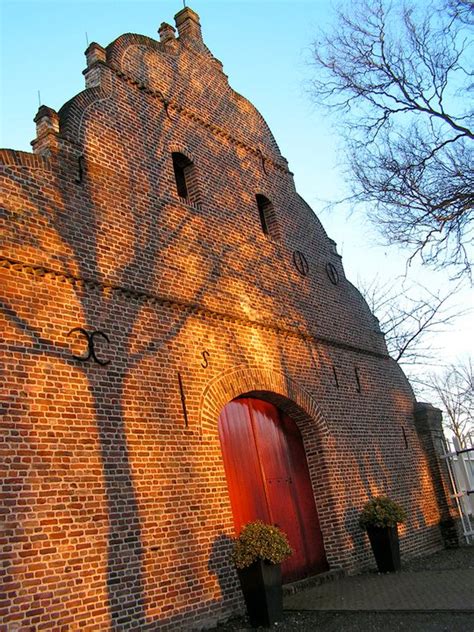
pixel 430 594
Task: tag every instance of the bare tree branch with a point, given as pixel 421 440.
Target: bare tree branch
pixel 399 78
pixel 453 391
pixel 409 317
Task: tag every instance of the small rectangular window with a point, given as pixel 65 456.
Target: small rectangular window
pixel 267 216
pixel 186 180
pixel 180 165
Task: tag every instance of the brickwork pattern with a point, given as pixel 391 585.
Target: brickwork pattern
pixel 115 511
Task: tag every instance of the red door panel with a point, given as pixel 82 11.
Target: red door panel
pixel 268 479
pixel 303 494
pixel 277 476
pixel 242 467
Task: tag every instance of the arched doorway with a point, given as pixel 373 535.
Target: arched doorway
pixel 268 479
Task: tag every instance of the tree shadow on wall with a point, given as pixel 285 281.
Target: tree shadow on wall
pixel 357 536
pixel 219 563
pixel 71 211
pixel 110 234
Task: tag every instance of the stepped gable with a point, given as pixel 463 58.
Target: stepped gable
pixel 183 73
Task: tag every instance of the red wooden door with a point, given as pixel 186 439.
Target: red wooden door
pixel 268 479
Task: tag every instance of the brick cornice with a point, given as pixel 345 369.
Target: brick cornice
pixel 38 271
pixel 16 158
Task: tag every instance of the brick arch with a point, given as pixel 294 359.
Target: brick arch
pixel 117 49
pixel 183 149
pixel 273 386
pixel 291 397
pixel 72 113
pixel 268 137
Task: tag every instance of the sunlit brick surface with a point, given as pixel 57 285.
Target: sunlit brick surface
pixel 115 514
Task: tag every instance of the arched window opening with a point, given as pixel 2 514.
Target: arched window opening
pixel 267 216
pixel 185 177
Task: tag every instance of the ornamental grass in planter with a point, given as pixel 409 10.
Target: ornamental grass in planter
pixel 380 516
pixel 258 553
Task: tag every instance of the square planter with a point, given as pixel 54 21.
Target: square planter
pixel 386 548
pixel 261 586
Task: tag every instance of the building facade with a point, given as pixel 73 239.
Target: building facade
pixel 183 353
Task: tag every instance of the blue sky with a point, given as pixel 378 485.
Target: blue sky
pixel 265 49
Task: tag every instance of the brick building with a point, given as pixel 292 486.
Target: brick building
pixel 183 353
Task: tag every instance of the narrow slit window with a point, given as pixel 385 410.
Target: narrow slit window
pixel 267 216
pixel 185 177
pixel 179 166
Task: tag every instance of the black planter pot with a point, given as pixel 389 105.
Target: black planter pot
pixel 386 548
pixel 261 586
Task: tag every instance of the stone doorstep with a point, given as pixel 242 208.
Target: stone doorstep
pixel 314 580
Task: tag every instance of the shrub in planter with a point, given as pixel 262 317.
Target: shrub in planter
pixel 380 517
pixel 258 553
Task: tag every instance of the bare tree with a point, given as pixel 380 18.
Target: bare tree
pixel 409 317
pixel 462 10
pixel 399 76
pixel 453 390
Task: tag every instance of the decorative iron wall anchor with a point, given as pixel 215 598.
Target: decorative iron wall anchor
pixel 183 400
pixel 262 159
pixel 332 273
pixel 91 353
pixel 358 386
pixel 300 263
pixel 405 440
pixel 205 355
pixel 165 102
pixel 336 380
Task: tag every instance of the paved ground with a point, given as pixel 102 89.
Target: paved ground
pixel 421 590
pixel 431 594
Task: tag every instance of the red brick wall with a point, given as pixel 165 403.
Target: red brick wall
pixel 115 512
